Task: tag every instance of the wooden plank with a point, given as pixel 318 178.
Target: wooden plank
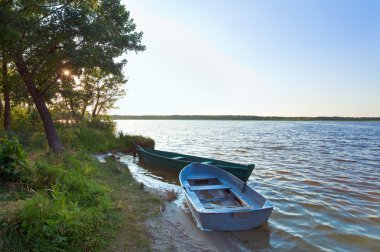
pixel 209 187
pixel 201 177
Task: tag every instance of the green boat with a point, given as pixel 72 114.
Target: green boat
pixel 176 161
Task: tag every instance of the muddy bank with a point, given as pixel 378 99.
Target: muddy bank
pixel 172 230
pixel 175 230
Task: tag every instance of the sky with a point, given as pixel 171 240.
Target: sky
pixel 265 58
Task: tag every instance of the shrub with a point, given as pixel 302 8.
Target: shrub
pixel 57 223
pixel 127 141
pixel 31 140
pixel 26 120
pixel 83 190
pixel 69 209
pixel 46 174
pixel 89 139
pixel 12 159
pixel 105 124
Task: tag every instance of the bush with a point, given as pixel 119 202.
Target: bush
pixel 32 140
pixel 86 192
pixel 127 141
pixel 26 120
pixel 58 223
pixel 12 159
pixel 94 140
pixel 105 124
pixel 70 208
pixel 46 174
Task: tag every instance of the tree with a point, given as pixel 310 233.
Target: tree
pixel 44 37
pixel 94 91
pixel 108 89
pixel 105 88
pixel 13 90
pixel 6 92
pixel 1 107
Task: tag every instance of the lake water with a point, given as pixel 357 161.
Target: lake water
pixel 322 177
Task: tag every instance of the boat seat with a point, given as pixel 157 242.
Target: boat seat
pixel 212 199
pixel 200 177
pixel 178 158
pixel 237 209
pixel 209 187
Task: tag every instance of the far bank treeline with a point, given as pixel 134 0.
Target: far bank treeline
pixel 60 60
pixel 241 117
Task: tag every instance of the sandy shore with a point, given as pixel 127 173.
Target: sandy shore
pixel 175 230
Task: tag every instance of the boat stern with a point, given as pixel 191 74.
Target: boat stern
pixel 234 221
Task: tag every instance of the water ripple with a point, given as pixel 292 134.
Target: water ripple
pixel 323 177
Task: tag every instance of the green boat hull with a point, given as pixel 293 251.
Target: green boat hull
pixel 176 161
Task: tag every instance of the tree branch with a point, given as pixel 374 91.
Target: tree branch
pixel 51 84
pixel 6 2
pixel 100 108
pixel 55 47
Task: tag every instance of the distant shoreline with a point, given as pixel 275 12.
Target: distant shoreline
pixel 241 118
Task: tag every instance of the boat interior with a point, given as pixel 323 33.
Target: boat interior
pixel 212 193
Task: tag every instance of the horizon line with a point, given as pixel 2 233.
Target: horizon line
pixel 211 115
pixel 243 117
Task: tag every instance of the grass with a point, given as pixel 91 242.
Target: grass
pixel 95 140
pixel 83 136
pixel 71 202
pixel 134 205
pixel 9 237
pixel 12 192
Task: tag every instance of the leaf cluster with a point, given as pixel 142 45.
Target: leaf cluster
pixel 85 38
pixel 12 159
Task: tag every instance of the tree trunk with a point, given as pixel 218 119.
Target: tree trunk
pixel 7 108
pixel 71 108
pixel 1 107
pixel 100 108
pixel 96 103
pixel 39 101
pixel 95 108
pixel 7 104
pixel 84 110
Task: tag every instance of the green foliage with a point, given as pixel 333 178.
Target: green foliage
pixel 127 141
pixel 10 239
pixel 93 135
pixel 11 191
pixel 31 140
pixel 12 159
pixel 69 205
pixel 93 92
pixel 48 42
pixel 25 120
pixel 99 136
pixel 140 205
pixel 56 222
pixel 46 174
pixel 90 139
pixel 69 209
pixel 101 124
